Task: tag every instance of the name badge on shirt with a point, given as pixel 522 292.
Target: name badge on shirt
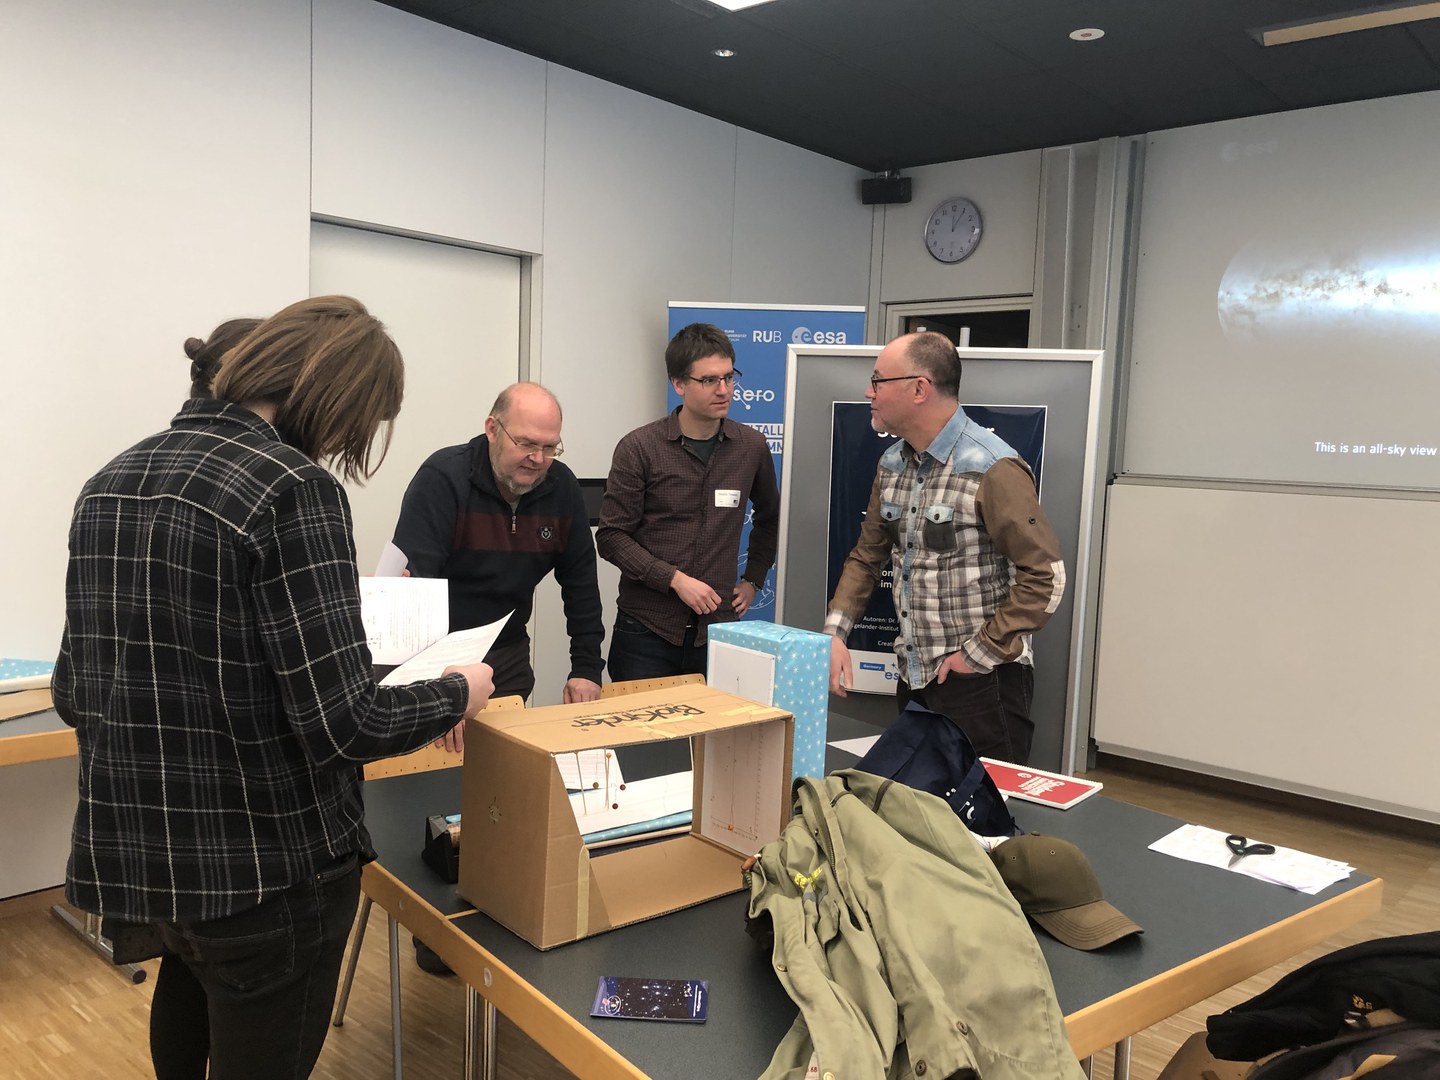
pixel 726 497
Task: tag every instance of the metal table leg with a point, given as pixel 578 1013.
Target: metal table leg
pixel 1122 1059
pixel 395 994
pixel 480 1037
pixel 361 924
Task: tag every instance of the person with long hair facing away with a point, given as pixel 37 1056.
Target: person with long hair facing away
pixel 215 670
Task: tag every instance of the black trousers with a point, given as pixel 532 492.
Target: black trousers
pixel 250 995
pixel 993 710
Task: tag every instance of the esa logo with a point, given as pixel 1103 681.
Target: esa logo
pixel 803 335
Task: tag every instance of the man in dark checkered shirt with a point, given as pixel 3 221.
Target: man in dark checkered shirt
pixel 674 508
pixel 215 669
pixel 977 568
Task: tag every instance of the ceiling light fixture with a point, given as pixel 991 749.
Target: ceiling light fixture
pixel 1347 23
pixel 736 5
pixel 1088 33
pixel 724 54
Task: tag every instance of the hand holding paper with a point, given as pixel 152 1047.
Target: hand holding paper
pixel 460 649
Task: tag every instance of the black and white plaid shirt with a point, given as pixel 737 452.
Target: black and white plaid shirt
pixel 214 667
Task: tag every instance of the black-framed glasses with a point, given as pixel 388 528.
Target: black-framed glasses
pixel 526 447
pixel 710 382
pixel 876 380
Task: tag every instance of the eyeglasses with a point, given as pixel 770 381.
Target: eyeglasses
pixel 876 380
pixel 526 447
pixel 710 382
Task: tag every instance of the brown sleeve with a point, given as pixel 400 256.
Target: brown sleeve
pixel 861 572
pixel 1010 511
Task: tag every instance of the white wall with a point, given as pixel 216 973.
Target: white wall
pixel 167 185
pixel 1007 191
pixel 156 182
pixel 426 130
pixel 639 210
pixel 1247 634
pixel 455 314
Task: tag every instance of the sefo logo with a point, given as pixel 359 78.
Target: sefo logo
pixel 748 397
pixel 803 335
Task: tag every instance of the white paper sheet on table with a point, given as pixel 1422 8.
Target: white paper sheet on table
pixel 1293 869
pixel 461 647
pixel 859 747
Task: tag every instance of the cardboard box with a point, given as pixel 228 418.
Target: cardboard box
pixel 798 679
pixel 523 862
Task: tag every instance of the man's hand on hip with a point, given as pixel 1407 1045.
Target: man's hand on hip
pixel 742 597
pixel 954 662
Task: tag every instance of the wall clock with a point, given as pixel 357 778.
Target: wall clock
pixel 953 231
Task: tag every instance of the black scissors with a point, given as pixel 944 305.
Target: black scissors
pixel 1240 848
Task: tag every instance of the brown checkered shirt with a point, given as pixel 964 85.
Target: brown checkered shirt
pixel 661 513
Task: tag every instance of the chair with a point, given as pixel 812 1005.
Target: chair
pixel 425 759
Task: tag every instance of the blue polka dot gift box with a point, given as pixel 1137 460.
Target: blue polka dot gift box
pixel 750 658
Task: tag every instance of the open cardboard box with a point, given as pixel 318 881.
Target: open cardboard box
pixel 523 862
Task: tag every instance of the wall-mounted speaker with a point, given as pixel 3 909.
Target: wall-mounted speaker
pixel 885 189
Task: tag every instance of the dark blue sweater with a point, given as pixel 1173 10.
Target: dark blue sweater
pixel 455 524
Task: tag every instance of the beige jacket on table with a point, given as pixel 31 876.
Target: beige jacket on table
pixel 904 950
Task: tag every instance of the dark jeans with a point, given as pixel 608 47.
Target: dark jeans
pixel 992 710
pixel 513 673
pixel 251 993
pixel 637 652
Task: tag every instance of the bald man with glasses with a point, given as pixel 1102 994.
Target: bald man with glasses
pixel 675 504
pixel 975 566
pixel 495 515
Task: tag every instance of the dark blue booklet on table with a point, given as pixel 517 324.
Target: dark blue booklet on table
pixel 626 998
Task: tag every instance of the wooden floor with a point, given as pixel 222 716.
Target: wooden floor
pixel 66 1014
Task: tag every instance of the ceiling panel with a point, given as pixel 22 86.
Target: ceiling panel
pixel 898 83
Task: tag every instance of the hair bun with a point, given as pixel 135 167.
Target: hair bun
pixel 193 347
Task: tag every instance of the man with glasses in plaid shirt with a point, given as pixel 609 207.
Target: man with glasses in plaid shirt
pixel 976 566
pixel 494 516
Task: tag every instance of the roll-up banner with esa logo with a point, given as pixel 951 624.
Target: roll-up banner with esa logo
pixel 761 334
pixel 856 449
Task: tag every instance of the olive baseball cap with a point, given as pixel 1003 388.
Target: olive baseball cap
pixel 1055 885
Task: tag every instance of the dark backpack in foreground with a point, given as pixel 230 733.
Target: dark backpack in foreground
pixel 1371 1009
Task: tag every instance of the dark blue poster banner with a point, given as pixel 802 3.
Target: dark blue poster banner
pixel 856 449
pixel 761 335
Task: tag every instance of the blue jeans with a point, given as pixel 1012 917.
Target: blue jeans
pixel 637 652
pixel 250 994
pixel 993 710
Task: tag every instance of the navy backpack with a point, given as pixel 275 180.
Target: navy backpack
pixel 928 752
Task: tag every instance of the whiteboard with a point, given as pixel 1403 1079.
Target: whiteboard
pixel 1281 638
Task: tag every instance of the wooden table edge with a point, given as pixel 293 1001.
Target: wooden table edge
pixel 36 746
pixel 1131 1011
pixel 561 1035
